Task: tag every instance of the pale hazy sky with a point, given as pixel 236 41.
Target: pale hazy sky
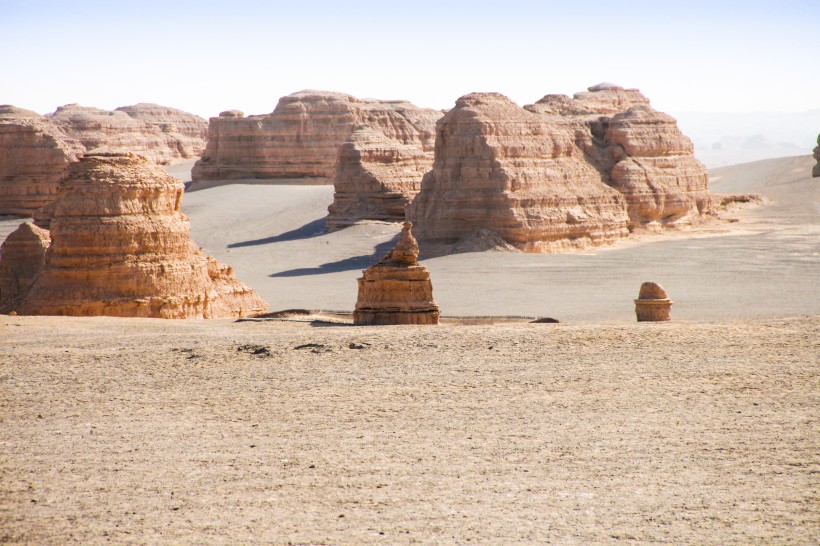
pixel 207 56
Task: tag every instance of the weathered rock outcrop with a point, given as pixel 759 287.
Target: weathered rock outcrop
pixel 121 247
pixel 114 131
pixel 376 177
pixel 816 170
pixel 519 173
pixel 397 290
pixel 641 153
pixel 560 174
pixel 188 131
pixel 298 142
pixel 21 258
pixel 653 305
pixel 34 156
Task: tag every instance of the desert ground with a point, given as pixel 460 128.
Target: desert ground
pixel 599 429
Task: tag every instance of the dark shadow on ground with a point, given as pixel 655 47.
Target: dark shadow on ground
pixel 311 229
pixel 347 264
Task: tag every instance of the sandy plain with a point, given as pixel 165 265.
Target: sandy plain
pixel 595 430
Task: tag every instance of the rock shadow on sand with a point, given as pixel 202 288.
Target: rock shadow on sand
pixel 307 231
pixel 346 264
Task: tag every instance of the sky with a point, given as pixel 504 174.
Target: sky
pixel 207 56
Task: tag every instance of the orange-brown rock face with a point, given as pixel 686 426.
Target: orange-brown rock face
pixel 121 247
pixel 816 170
pixel 188 131
pixel 298 142
pixel 641 153
pixel 118 132
pixel 376 176
pixel 653 305
pixel 560 174
pixel 397 290
pixel 34 156
pixel 516 172
pixel 21 258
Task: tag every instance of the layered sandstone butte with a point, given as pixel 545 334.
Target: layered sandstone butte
pixel 22 256
pixel 298 142
pixel 118 131
pixel 377 176
pixel 397 290
pixel 518 173
pixel 121 247
pixel 816 170
pixel 188 131
pixel 564 173
pixel 34 156
pixel 641 153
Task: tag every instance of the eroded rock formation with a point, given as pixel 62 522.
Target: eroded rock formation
pixel 816 170
pixel 21 258
pixel 518 173
pixel 397 290
pixel 653 304
pixel 377 176
pixel 187 131
pixel 121 247
pixel 34 156
pixel 298 142
pixel 641 153
pixel 564 173
pixel 116 131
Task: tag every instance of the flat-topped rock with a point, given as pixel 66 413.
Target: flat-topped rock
pixel 397 290
pixel 816 170
pixel 298 142
pixel 121 247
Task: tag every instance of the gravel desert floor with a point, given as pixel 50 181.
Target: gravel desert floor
pixel 195 432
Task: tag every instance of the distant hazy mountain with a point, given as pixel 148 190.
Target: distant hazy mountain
pixel 725 138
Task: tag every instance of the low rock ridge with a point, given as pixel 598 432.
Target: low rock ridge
pixel 299 141
pixel 120 246
pixel 561 174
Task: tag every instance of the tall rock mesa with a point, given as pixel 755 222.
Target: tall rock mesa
pixel 298 142
pixel 188 132
pixel 816 170
pixel 639 151
pixel 34 157
pixel 22 256
pixel 518 173
pixel 397 290
pixel 376 176
pixel 120 132
pixel 121 247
